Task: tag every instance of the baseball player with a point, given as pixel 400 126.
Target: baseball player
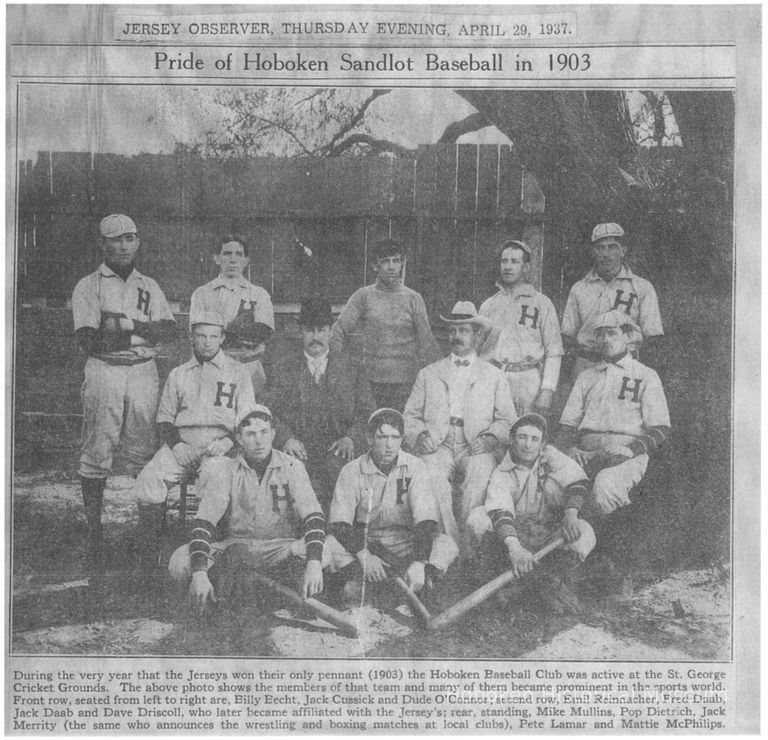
pixel 397 338
pixel 246 308
pixel 609 285
pixel 525 340
pixel 202 401
pixel 120 317
pixel 535 493
pixel 272 514
pixel 616 416
pixel 459 411
pixel 384 513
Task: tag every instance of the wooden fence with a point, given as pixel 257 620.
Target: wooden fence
pixel 451 204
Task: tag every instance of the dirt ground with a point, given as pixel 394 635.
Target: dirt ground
pixel 59 609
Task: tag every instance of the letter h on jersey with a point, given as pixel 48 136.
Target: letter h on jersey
pixel 626 388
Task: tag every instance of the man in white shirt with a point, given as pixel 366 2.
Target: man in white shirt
pixel 525 340
pixel 458 412
pixel 246 308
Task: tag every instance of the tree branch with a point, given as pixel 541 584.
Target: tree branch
pixel 379 145
pixel 455 129
pixel 354 121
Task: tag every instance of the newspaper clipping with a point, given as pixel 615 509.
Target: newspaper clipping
pixel 382 369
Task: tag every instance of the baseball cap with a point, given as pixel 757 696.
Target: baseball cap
pixel 516 244
pixel 212 318
pixel 615 318
pixel 116 225
pixel 603 231
pixel 530 420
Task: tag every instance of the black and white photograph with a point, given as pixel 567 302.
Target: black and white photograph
pixel 414 371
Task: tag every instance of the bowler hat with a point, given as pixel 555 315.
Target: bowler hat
pixel 315 312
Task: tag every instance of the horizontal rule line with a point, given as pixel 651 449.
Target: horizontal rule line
pixel 224 78
pixel 363 47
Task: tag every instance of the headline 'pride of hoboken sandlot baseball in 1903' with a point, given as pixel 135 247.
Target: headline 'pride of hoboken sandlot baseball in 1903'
pixel 382 369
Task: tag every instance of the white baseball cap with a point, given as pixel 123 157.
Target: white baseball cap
pixel 603 231
pixel 212 318
pixel 116 225
pixel 615 318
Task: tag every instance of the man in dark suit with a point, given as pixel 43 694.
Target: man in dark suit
pixel 320 400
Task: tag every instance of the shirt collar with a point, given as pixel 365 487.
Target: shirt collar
pixel 471 357
pixel 369 467
pixel 109 272
pixel 274 460
pixel 521 288
pixel 509 464
pixel 217 360
pixel 220 282
pixel 625 362
pixel 624 274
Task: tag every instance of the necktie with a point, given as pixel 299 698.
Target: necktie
pixel 461 363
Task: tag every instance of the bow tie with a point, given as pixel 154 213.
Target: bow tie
pixel 461 363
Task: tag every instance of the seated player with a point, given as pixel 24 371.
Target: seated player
pixel 384 514
pixel 616 417
pixel 202 401
pixel 273 516
pixel 534 494
pixel 459 411
pixel 320 400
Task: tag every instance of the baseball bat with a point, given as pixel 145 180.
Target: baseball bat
pixel 478 597
pixel 323 611
pixel 412 598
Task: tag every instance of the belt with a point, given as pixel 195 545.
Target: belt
pixel 123 361
pixel 456 421
pixel 588 354
pixel 517 367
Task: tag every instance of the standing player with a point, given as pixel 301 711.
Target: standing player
pixel 246 308
pixel 384 513
pixel 202 402
pixel 397 339
pixel 525 340
pixel 609 285
pixel 120 317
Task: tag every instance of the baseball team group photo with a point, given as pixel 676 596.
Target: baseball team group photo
pixel 373 372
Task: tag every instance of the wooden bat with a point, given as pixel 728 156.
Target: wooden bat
pixel 421 610
pixel 478 597
pixel 323 611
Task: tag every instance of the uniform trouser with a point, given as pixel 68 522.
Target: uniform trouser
pixel 391 395
pixel 323 468
pixel 451 460
pixel 401 544
pixel 164 471
pixel 479 523
pixel 119 408
pixel 611 487
pixel 524 386
pixel 265 554
pixel 258 376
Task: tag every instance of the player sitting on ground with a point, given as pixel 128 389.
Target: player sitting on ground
pixel 273 518
pixel 384 514
pixel 534 494
pixel 202 401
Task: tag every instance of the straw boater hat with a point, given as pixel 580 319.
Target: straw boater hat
pixel 464 312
